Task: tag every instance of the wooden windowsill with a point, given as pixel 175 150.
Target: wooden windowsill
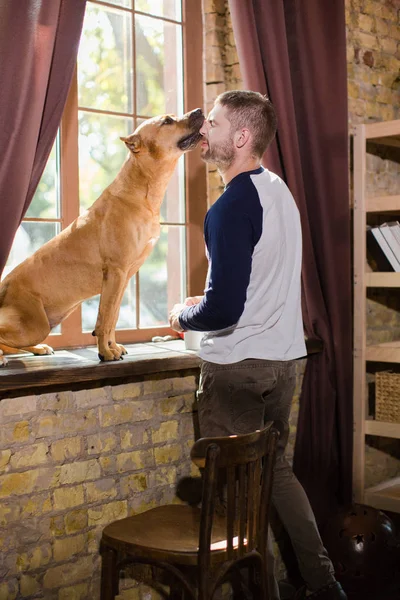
pixel 80 368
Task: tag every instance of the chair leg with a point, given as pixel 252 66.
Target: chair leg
pixel 109 574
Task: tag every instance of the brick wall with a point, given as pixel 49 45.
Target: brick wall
pixel 373 63
pixel 70 463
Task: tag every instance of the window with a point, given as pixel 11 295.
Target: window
pixel 133 63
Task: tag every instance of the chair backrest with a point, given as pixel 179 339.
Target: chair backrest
pixel 245 463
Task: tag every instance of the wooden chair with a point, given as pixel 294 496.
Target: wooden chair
pixel 180 538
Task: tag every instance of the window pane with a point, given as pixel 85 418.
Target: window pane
pixel 46 201
pixel 162 278
pixel 173 205
pixel 162 8
pixel 158 66
pixel 124 3
pixel 127 312
pixel 101 153
pixel 105 60
pixel 29 237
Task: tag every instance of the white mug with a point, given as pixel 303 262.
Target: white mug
pixel 193 339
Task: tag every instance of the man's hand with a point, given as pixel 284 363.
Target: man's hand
pixel 174 317
pixel 193 300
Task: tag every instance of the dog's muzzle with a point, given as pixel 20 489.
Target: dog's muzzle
pixel 195 121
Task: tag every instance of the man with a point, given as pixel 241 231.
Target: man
pixel 251 310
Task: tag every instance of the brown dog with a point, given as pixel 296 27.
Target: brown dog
pixel 102 249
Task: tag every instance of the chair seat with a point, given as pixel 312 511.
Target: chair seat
pixel 166 532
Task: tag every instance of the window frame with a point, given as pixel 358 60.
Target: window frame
pixel 195 184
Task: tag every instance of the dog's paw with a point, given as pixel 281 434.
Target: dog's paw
pixel 3 360
pixel 41 349
pixel 108 355
pixel 118 350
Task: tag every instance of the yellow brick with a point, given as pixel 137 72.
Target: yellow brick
pixel 132 461
pixel 75 592
pixel 75 521
pixel 156 386
pixel 177 404
pixel 66 449
pixel 30 456
pixel 167 454
pixel 389 45
pixel 10 407
pixel 37 505
pixel 129 390
pixel 94 536
pixel 126 413
pixel 368 41
pixel 215 72
pixel 61 401
pixel 366 22
pixel 63 575
pixel 102 442
pixel 92 397
pixel 104 489
pixel 9 590
pixel 21 431
pixel 382 27
pixel 108 464
pixel 186 427
pixel 102 515
pixel 4 458
pixel 66 423
pixel 184 384
pixel 68 497
pixel 29 585
pixel 34 559
pixel 9 513
pixel 79 471
pixel 134 437
pixel 68 547
pixel 136 482
pixel 137 505
pixel 57 526
pixel 27 482
pixel 167 431
pixel 165 476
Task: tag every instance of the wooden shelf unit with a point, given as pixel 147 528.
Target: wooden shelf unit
pixel 386 495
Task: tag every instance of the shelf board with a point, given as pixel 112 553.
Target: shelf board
pixel 385 496
pixel 381 130
pixel 388 352
pixel 383 203
pixel 389 279
pixel 382 429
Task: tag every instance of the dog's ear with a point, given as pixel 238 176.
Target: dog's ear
pixel 133 142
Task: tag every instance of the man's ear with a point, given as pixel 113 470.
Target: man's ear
pixel 133 142
pixel 242 136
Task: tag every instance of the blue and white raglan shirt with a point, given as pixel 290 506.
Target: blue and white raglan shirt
pixel 252 300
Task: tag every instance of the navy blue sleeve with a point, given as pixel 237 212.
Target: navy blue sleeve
pixel 230 234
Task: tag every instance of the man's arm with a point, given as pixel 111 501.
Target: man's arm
pixel 230 243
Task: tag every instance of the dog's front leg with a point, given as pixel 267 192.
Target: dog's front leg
pixel 113 287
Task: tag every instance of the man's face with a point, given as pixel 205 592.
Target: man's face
pixel 217 144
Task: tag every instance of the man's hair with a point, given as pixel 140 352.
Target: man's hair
pixel 253 111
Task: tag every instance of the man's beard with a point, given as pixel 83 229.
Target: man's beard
pixel 221 155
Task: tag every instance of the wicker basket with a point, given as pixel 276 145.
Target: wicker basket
pixel 387 396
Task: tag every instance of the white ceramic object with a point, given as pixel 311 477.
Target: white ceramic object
pixel 193 339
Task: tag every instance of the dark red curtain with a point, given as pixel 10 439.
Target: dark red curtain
pixel 295 51
pixel 38 46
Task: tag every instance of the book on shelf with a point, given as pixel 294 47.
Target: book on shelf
pixel 380 251
pixel 389 232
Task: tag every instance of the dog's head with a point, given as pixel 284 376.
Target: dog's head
pixel 166 136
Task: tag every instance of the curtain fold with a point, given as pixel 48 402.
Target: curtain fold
pixel 295 51
pixel 39 42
